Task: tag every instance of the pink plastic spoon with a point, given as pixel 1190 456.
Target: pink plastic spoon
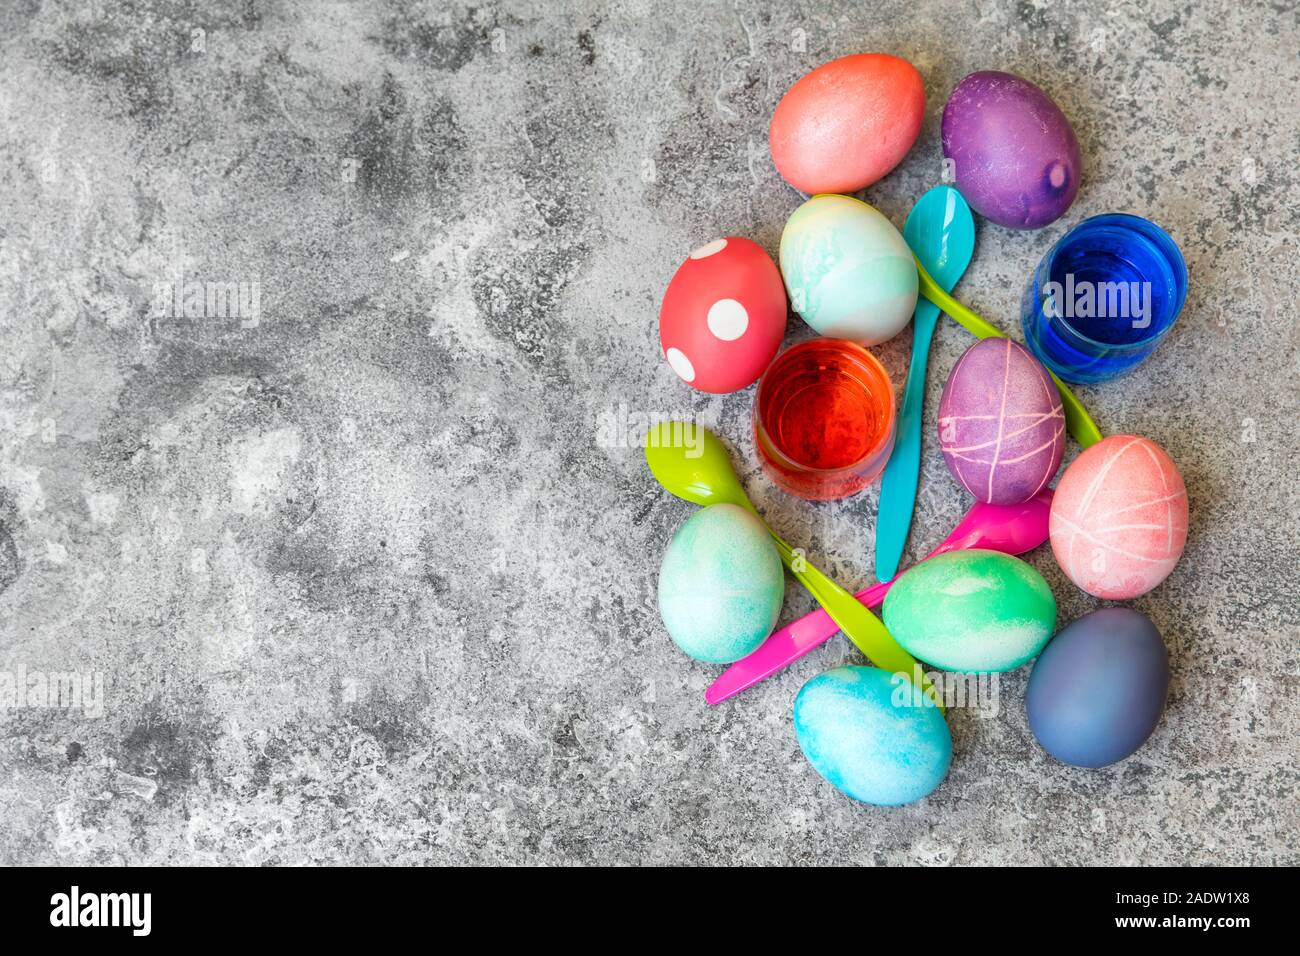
pixel 1011 529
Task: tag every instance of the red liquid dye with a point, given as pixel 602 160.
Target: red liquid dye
pixel 824 419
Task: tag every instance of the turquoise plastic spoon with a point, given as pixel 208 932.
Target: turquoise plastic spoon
pixel 941 233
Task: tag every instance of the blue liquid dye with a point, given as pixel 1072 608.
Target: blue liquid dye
pixel 1103 298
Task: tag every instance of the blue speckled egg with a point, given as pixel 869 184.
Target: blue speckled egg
pixel 849 272
pixel 720 584
pixel 865 731
pixel 1097 692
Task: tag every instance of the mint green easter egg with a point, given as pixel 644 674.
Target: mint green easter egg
pixel 849 273
pixel 971 611
pixel 720 584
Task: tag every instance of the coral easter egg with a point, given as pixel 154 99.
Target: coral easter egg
pixel 1001 424
pixel 1014 154
pixel 720 584
pixel 975 611
pixel 847 123
pixel 865 733
pixel 723 315
pixel 1119 518
pixel 1098 690
pixel 849 272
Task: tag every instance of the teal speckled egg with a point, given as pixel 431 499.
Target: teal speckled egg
pixel 720 584
pixel 868 733
pixel 849 273
pixel 972 611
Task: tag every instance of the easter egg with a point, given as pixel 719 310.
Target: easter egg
pixel 723 315
pixel 849 272
pixel 720 584
pixel 1097 692
pixel 973 611
pixel 1119 518
pixel 847 123
pixel 1001 425
pixel 1013 153
pixel 865 731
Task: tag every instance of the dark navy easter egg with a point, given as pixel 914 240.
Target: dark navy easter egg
pixel 1001 425
pixel 1097 691
pixel 1014 154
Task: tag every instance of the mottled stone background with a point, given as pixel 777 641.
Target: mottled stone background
pixel 363 578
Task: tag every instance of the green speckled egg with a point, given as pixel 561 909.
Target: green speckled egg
pixel 971 611
pixel 720 584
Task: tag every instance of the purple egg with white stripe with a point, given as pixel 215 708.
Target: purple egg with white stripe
pixel 1001 425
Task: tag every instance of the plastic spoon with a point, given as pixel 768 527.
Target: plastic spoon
pixel 1011 529
pixel 690 461
pixel 941 233
pixel 1077 420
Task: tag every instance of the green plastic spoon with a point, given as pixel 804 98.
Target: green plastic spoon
pixel 690 461
pixel 1077 419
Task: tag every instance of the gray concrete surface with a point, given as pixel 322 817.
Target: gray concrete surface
pixel 362 579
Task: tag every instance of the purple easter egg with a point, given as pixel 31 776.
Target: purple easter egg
pixel 1001 425
pixel 1015 156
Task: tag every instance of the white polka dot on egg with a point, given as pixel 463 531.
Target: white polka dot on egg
pixel 681 364
pixel 728 319
pixel 709 249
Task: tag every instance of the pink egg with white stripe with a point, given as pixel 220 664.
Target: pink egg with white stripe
pixel 1001 425
pixel 1119 518
pixel 723 315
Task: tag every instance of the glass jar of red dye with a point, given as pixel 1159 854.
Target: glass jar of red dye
pixel 824 419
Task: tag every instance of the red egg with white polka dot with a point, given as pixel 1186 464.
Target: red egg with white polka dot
pixel 723 315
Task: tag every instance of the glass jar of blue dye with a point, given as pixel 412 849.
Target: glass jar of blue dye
pixel 1103 297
